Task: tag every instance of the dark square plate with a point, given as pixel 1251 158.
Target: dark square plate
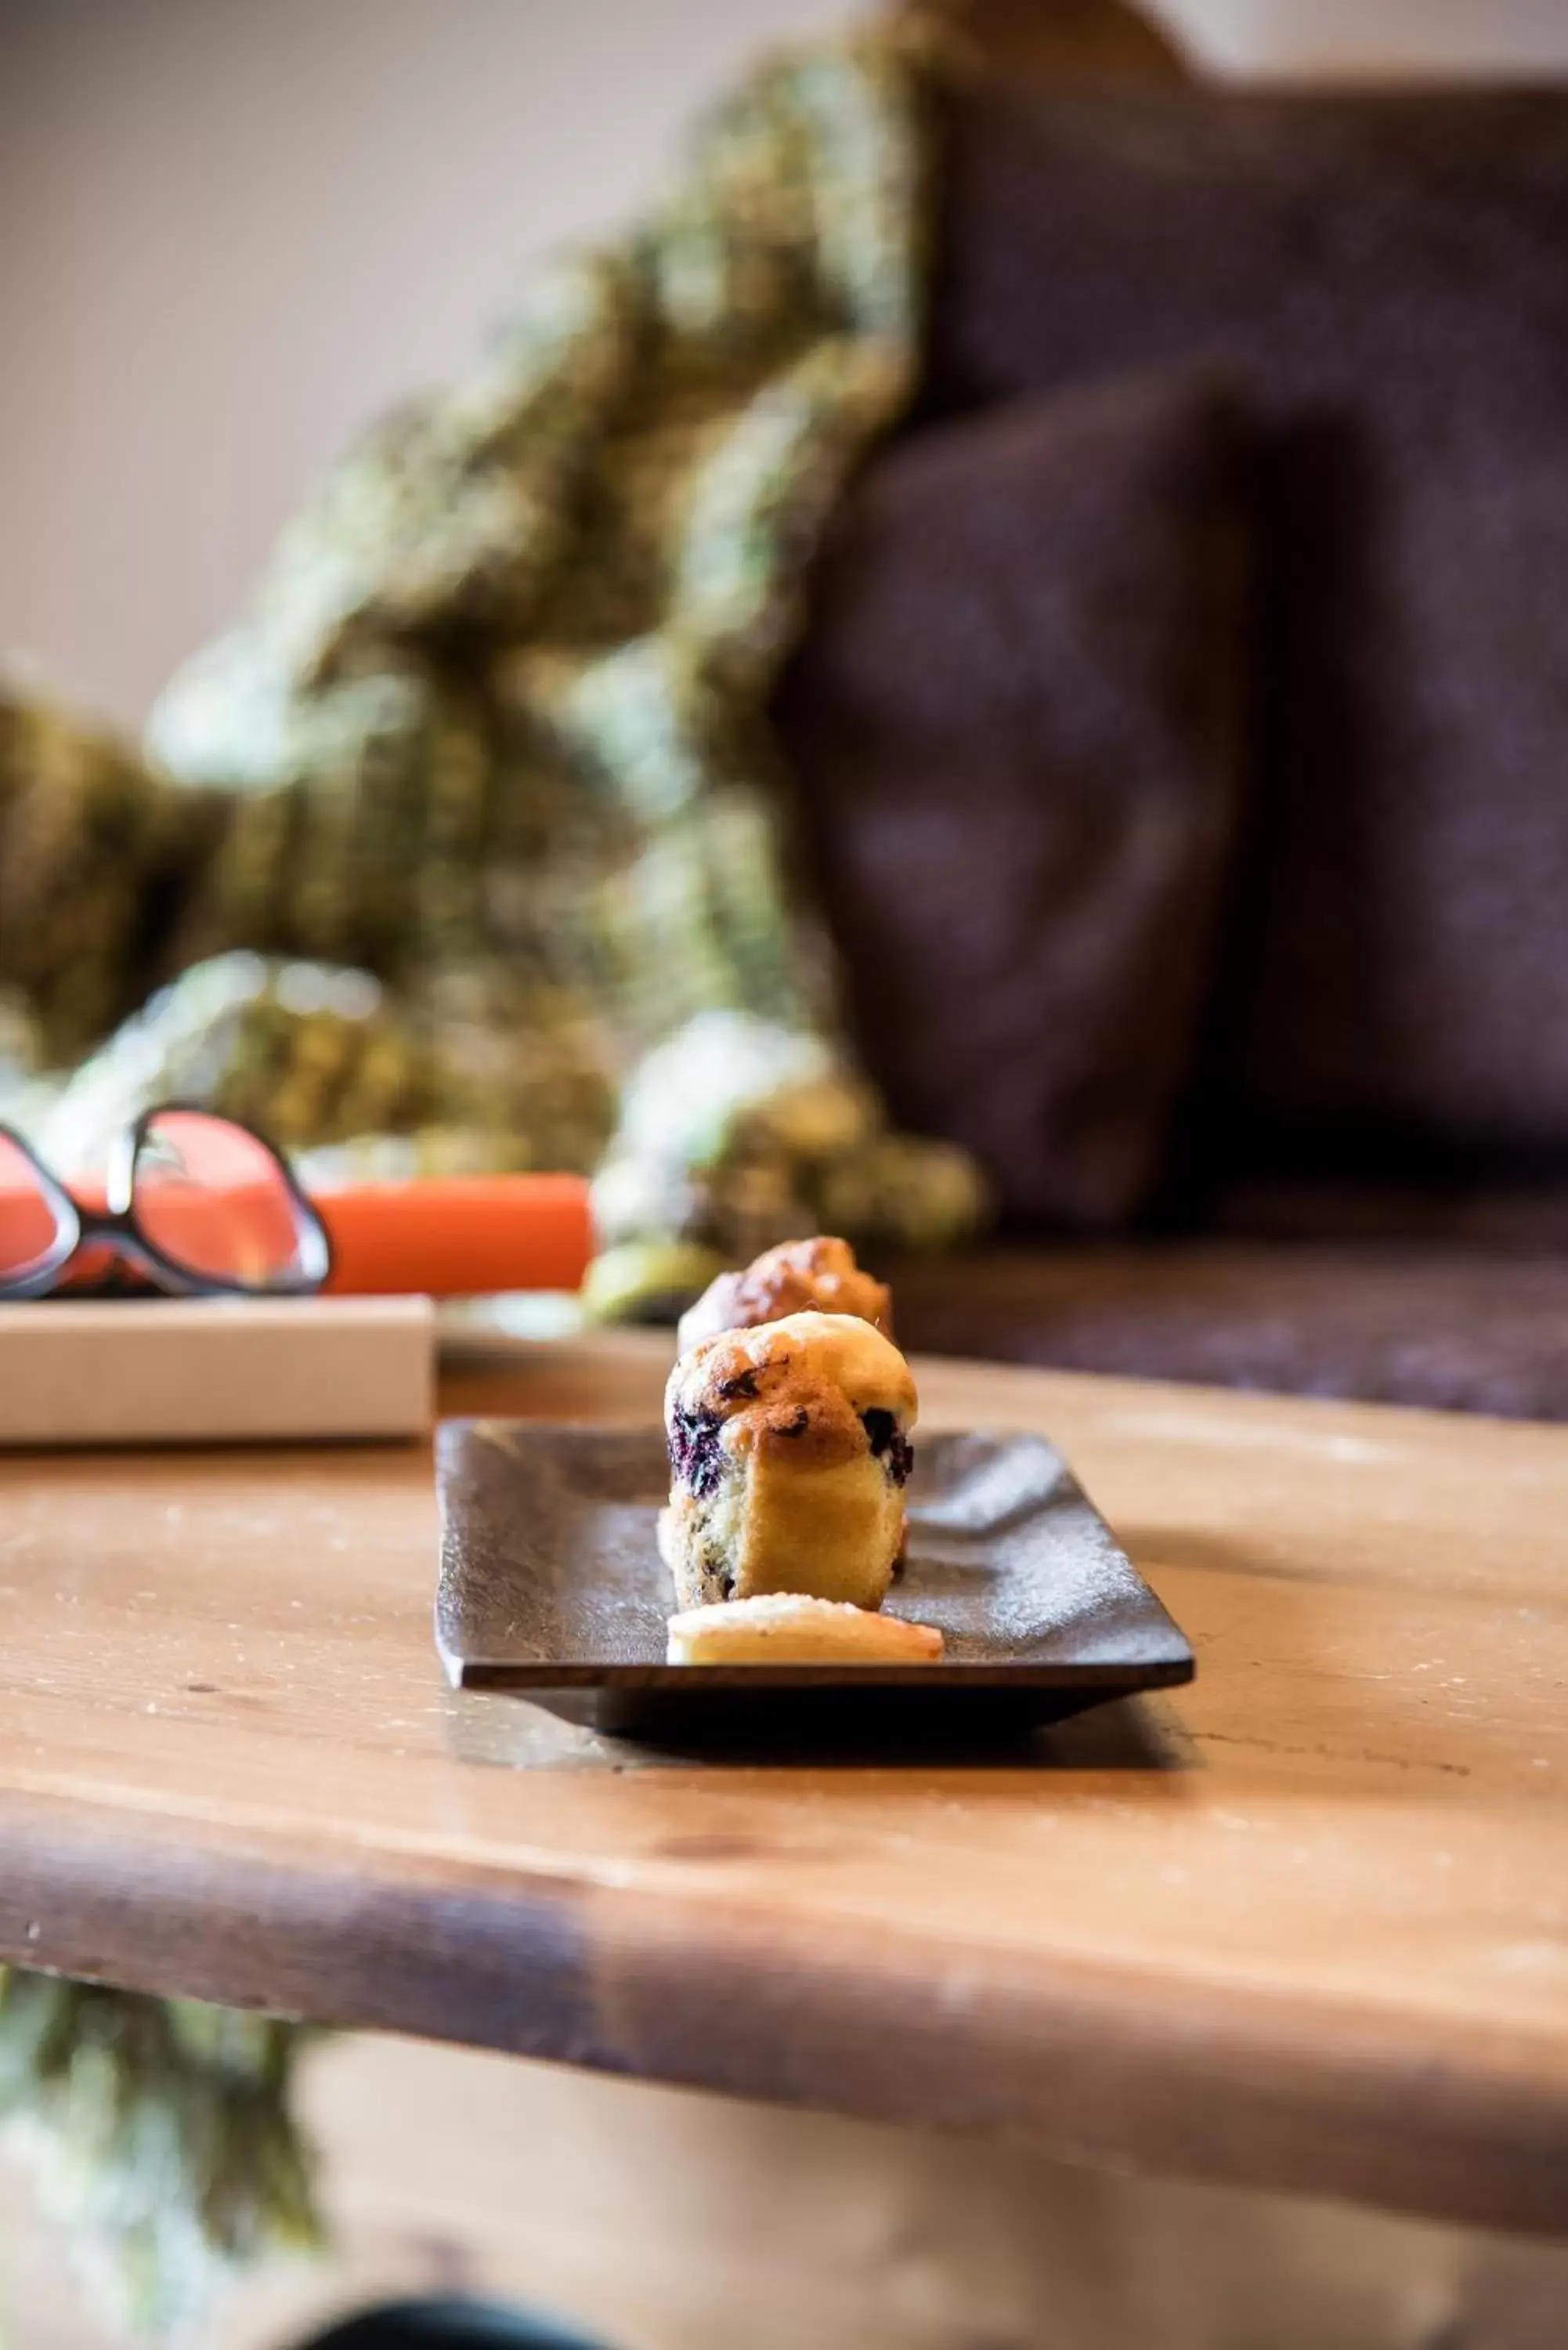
pixel 550 1583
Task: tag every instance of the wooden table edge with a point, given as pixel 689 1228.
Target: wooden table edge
pixel 1174 2076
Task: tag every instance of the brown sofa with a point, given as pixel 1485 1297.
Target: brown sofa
pixel 1180 728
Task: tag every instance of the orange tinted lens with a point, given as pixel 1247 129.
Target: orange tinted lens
pixel 214 1201
pixel 30 1228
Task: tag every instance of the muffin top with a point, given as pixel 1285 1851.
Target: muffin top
pixel 796 1277
pixel 813 1389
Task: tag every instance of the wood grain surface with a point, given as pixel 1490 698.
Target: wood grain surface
pixel 1301 1925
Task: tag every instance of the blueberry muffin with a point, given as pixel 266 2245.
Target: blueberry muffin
pixel 817 1275
pixel 789 1449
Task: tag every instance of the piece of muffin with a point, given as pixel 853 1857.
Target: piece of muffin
pixel 789 1449
pixel 780 1627
pixel 797 1277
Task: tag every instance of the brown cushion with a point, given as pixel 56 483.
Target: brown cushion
pixel 1013 723
pixel 1523 1221
pixel 1386 274
pixel 1468 1332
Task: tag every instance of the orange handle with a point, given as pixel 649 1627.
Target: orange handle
pixel 458 1235
pixel 446 1236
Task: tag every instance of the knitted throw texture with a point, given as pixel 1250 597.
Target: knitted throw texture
pixel 464 850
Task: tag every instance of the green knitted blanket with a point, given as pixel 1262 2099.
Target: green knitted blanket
pixel 465 851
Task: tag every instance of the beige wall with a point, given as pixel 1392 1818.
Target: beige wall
pixel 232 229
pixel 1376 36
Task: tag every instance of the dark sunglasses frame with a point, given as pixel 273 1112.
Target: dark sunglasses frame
pixel 119 1227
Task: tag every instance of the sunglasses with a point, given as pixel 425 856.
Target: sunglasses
pixel 199 1205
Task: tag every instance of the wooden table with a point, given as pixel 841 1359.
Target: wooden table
pixel 1304 1925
